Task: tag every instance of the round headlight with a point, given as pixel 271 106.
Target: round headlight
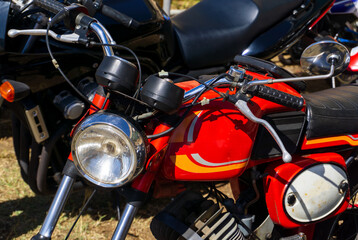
pixel 108 150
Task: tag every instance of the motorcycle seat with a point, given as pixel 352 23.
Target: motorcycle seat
pixel 213 32
pixel 332 112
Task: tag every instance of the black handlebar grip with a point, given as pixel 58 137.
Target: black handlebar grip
pixel 279 97
pixel 50 5
pixel 119 17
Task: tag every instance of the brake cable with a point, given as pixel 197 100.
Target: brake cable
pixel 81 212
pixel 188 109
pixel 57 66
pixel 136 94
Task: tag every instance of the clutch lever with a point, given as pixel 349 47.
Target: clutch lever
pixel 244 109
pixel 95 26
pixel 67 38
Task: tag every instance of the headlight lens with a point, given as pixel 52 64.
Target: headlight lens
pixel 108 150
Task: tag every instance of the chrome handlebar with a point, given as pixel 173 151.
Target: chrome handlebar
pixel 101 32
pixel 194 91
pixel 104 37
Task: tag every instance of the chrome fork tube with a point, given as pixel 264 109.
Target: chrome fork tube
pixel 125 222
pixel 56 208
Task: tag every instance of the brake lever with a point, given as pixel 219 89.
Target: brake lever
pixel 67 38
pixel 244 109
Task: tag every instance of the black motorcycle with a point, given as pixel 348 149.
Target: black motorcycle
pixel 203 40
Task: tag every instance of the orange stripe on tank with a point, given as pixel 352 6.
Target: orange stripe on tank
pixel 185 164
pixel 333 139
pixel 330 141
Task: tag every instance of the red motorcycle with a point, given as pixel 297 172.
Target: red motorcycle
pixel 202 40
pixel 350 75
pixel 290 158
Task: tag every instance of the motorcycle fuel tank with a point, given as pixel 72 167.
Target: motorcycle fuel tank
pixel 215 141
pixel 211 143
pixel 309 189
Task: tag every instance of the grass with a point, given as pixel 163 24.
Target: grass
pixel 22 212
pixel 181 4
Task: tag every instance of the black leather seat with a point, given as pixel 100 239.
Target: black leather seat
pixel 332 112
pixel 213 32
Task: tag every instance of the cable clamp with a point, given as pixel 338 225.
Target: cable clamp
pixel 55 63
pixel 205 101
pixel 163 74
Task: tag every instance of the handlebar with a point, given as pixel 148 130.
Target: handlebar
pixel 75 13
pixel 278 97
pixel 261 91
pixel 119 17
pixel 55 7
pixel 97 28
pixel 50 5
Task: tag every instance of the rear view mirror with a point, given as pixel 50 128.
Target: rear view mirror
pixel 319 57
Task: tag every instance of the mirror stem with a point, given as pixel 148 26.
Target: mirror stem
pixel 295 79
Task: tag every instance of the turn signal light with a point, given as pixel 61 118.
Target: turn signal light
pixel 13 91
pixel 7 91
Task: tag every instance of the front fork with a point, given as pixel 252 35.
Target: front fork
pixel 126 221
pixel 67 182
pixel 135 195
pixel 58 203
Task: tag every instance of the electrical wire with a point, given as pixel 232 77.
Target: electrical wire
pixel 105 101
pixel 211 99
pixel 189 78
pixel 136 94
pixel 209 85
pixel 132 98
pixel 188 108
pixel 179 75
pixel 26 7
pixel 80 214
pixel 172 128
pixel 131 52
pixel 62 73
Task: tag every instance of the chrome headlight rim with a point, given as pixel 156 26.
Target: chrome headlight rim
pixel 131 132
